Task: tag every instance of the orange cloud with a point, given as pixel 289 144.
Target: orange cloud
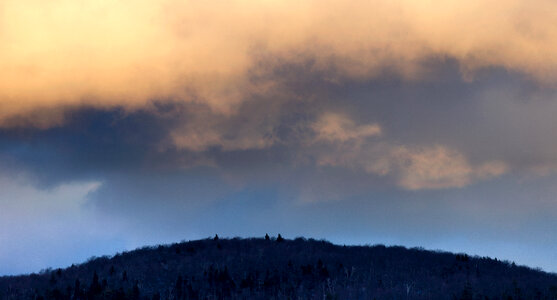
pixel 439 167
pixel 62 53
pixel 334 127
pixel 355 146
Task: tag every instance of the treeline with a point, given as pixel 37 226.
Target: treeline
pixel 277 268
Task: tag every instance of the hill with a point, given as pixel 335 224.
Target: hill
pixel 283 269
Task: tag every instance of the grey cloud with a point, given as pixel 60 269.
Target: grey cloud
pixel 387 125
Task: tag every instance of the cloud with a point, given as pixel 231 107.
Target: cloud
pixel 412 167
pixel 201 129
pixel 438 167
pixel 333 127
pixel 64 54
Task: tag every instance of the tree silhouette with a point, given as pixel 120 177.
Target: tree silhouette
pixel 95 287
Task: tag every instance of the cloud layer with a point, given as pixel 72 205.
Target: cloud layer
pixel 59 54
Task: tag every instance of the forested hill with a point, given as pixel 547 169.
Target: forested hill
pixel 276 268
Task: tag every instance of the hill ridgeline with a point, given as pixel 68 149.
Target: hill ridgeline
pixel 277 268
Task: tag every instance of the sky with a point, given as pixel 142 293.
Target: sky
pixel 415 122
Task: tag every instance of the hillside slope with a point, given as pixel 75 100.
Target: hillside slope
pixel 283 269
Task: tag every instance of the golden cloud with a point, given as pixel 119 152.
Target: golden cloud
pixel 439 167
pixel 63 53
pixel 346 144
pixel 335 127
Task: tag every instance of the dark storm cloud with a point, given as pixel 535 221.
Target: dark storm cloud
pixel 368 123
pixel 92 142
